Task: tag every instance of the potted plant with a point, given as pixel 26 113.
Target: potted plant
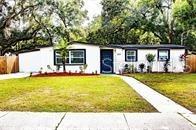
pixel 41 69
pixel 83 68
pixel 142 66
pixel 150 58
pixel 126 68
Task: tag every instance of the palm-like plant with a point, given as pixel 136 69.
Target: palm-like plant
pixel 62 46
pixel 150 58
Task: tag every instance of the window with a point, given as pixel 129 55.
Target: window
pixel 131 55
pixel 58 58
pixel 163 55
pixel 75 57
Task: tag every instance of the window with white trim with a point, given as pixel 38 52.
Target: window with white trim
pixel 163 55
pixel 58 58
pixel 131 55
pixel 75 57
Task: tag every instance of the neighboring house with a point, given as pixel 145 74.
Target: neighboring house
pixel 102 59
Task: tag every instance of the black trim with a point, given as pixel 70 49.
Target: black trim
pixel 68 63
pixel 131 50
pixel 163 50
pixel 27 51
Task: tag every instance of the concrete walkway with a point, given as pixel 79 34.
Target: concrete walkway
pixel 160 102
pixel 93 121
pixel 13 76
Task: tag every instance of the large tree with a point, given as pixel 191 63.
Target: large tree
pixel 26 24
pixel 185 14
pixel 146 22
pixel 17 23
pixel 69 16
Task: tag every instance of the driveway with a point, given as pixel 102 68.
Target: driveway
pixel 13 76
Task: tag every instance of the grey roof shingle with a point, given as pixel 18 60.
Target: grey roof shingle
pixel 136 46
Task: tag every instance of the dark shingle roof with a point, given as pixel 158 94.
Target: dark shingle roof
pixel 136 46
pixel 130 46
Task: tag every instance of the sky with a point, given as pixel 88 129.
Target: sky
pixel 93 7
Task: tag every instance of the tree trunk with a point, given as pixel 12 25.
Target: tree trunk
pixel 182 39
pixel 170 35
pixel 171 32
pixel 64 69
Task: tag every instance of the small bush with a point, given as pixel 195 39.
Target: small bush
pixel 150 58
pixel 142 66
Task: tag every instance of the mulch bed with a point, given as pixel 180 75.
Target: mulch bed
pixel 62 74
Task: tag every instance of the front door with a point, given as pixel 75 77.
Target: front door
pixel 107 61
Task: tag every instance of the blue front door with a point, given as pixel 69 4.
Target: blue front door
pixel 107 61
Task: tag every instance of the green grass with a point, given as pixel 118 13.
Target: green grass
pixel 179 87
pixel 72 94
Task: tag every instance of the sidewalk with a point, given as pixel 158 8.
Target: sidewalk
pixel 14 75
pixel 92 121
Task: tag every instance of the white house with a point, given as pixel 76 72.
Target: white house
pixel 102 59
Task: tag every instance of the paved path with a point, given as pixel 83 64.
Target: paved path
pixel 93 121
pixel 160 102
pixel 12 76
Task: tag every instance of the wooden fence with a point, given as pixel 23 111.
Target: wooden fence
pixel 191 63
pixel 9 64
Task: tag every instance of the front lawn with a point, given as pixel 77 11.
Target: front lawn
pixel 72 94
pixel 179 87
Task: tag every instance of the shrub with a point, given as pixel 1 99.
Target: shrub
pixel 149 69
pixel 83 68
pixel 126 68
pixel 166 65
pixel 142 66
pixel 150 58
pixel 132 69
pixel 58 68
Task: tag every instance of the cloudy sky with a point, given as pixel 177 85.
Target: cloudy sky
pixel 93 7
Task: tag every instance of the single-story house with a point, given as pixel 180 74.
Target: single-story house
pixel 102 59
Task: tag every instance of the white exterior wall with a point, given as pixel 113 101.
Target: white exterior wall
pixel 119 60
pixel 34 61
pixel 92 58
pixel 175 64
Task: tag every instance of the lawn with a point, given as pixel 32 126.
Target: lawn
pixel 72 94
pixel 179 87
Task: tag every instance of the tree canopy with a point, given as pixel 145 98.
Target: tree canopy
pixel 146 22
pixel 26 24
